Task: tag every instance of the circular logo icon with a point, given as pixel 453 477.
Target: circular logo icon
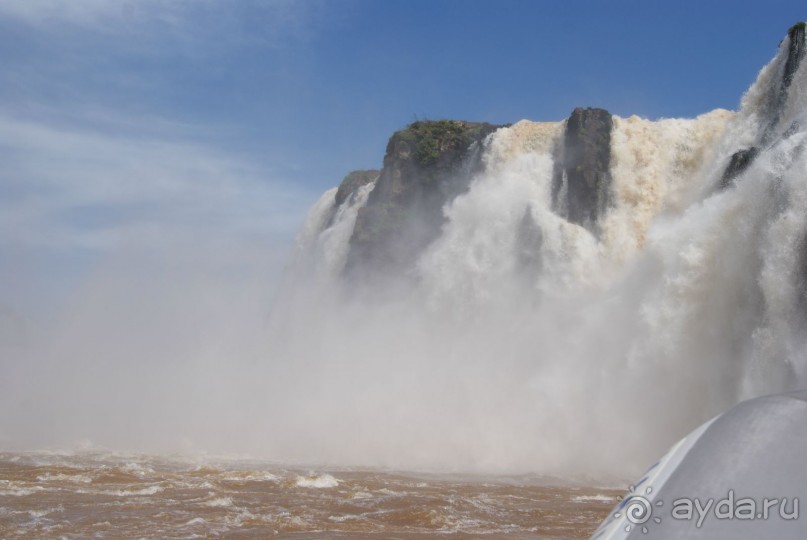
pixel 638 509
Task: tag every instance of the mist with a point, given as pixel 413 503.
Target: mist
pixel 192 323
pixel 592 358
pixel 137 357
pixel 138 273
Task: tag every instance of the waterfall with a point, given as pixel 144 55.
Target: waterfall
pixel 520 340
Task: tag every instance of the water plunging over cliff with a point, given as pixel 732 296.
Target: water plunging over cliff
pixel 562 297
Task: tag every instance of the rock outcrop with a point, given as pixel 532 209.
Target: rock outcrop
pixel 795 53
pixel 581 181
pixel 426 165
pixel 352 182
pixel 739 162
pixel 778 98
pixel 742 159
pixel 429 163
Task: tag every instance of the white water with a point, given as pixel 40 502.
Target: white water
pixel 588 360
pixel 589 363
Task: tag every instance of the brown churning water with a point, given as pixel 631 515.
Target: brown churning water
pixel 95 495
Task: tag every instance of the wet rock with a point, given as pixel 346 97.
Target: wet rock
pixel 352 182
pixel 582 178
pixel 739 162
pixel 795 52
pixel 778 98
pixel 426 165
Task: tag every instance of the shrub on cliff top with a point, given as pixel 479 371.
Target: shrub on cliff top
pixel 432 138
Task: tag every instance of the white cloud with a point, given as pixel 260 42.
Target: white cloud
pixel 185 20
pixel 179 245
pixel 41 11
pixel 82 178
pixel 86 13
pixel 78 187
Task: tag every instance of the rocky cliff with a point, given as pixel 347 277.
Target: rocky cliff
pixel 426 165
pixel 582 176
pixel 431 162
pixel 774 103
pixel 557 274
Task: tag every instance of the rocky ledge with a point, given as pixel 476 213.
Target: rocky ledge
pixel 426 165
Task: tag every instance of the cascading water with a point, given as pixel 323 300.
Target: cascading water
pixel 519 340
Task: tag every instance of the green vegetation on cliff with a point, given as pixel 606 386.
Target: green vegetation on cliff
pixel 426 165
pixel 432 139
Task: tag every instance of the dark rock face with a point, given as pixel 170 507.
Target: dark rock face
pixel 739 162
pixel 742 159
pixel 582 178
pixel 795 52
pixel 352 182
pixel 426 165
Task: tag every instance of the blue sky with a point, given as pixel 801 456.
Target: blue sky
pixel 204 129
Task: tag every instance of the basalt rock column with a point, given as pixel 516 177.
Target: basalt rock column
pixel 582 178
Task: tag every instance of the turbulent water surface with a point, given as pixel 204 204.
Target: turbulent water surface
pixel 101 495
